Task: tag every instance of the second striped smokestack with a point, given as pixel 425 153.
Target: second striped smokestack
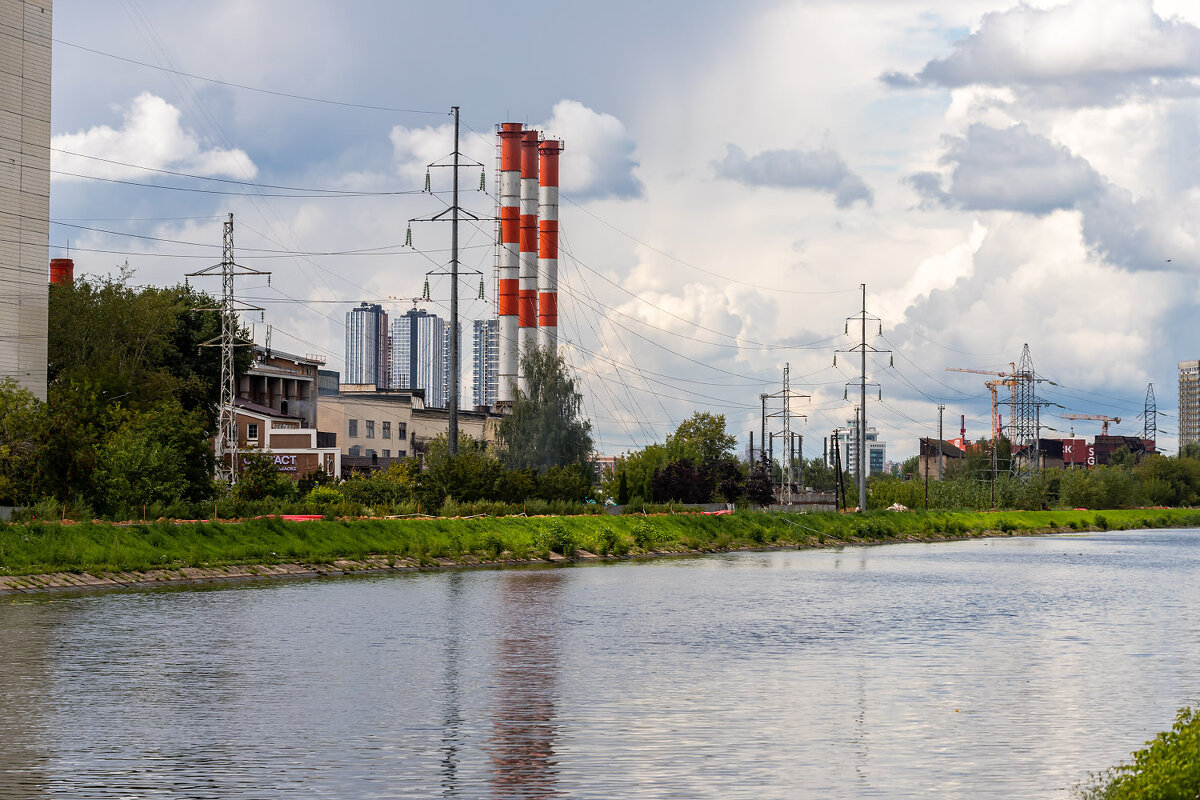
pixel 548 152
pixel 528 304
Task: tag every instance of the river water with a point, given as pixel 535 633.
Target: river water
pixel 1004 668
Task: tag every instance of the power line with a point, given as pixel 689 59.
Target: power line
pixel 244 87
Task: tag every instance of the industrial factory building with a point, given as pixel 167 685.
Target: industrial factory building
pixel 377 427
pixel 276 411
pixel 24 190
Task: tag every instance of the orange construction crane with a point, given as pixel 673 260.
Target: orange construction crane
pixel 1097 418
pixel 1009 380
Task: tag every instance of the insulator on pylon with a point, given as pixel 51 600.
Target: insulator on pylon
pixel 846 329
pixel 408 237
pixel 881 329
pixel 881 394
pixel 425 293
pixel 845 394
pixel 428 183
pixel 483 180
pixel 262 316
pixel 891 361
pixel 268 279
pixel 480 287
pixel 835 359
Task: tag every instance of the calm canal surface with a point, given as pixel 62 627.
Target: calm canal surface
pixel 1005 668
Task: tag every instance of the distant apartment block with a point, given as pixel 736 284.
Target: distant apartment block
pixel 846 441
pixel 485 362
pixel 24 190
pixel 421 355
pixel 367 356
pixel 1189 403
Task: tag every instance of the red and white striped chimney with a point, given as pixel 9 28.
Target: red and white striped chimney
pixel 510 236
pixel 548 152
pixel 528 303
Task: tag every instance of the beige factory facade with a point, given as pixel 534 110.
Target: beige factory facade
pixel 24 190
pixel 376 427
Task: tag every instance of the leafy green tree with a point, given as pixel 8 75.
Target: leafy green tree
pixel 701 437
pixel 759 488
pixel 154 456
pixel 260 477
pixel 137 345
pixel 20 423
pixel 815 473
pixel 682 481
pixel 570 484
pixel 545 428
pixel 465 477
pixel 622 489
pixel 516 485
pixel 638 468
pixel 73 426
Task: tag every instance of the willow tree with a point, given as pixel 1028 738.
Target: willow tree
pixel 545 428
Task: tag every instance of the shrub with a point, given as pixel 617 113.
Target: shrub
pixel 557 538
pixel 1101 522
pixel 645 534
pixel 1169 767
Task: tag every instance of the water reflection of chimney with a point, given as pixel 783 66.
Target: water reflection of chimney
pixel 524 724
pixel 451 688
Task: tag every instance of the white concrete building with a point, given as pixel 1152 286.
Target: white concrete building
pixel 24 190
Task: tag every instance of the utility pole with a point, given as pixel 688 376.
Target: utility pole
pixel 456 213
pixel 862 460
pixel 762 439
pixel 941 408
pixel 228 340
pixel 455 378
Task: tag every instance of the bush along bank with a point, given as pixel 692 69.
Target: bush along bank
pixel 98 548
pixel 1168 768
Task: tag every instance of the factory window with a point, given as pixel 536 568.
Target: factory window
pixel 387 429
pixel 387 453
pixel 252 432
pixel 401 430
pixel 355 451
pixel 353 428
pixel 370 429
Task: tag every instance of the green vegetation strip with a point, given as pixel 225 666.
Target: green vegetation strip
pixel 34 548
pixel 1168 768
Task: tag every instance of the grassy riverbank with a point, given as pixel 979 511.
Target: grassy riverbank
pixel 95 548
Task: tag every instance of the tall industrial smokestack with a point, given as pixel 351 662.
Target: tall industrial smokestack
pixel 510 237
pixel 527 305
pixel 548 152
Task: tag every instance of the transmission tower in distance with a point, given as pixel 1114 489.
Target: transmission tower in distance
pixel 1149 420
pixel 229 339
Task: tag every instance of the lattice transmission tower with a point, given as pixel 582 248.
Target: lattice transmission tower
pixel 1149 419
pixel 229 340
pixel 1025 427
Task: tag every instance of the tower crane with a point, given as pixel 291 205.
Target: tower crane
pixel 1008 379
pixel 1097 418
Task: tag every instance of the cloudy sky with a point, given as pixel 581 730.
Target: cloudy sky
pixel 996 175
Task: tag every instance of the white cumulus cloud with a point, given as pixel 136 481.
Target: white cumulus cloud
pixel 150 136
pixel 1085 52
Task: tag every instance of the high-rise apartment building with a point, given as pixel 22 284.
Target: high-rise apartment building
pixel 1189 403
pixel 847 442
pixel 419 356
pixel 24 190
pixel 485 362
pixel 367 354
